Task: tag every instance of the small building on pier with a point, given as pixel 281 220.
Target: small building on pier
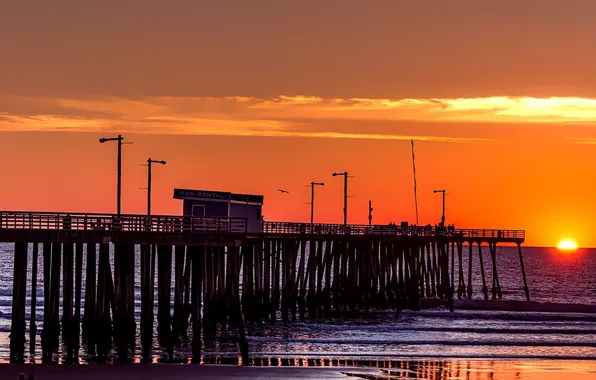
pixel 206 203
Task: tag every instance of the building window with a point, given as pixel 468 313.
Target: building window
pixel 258 213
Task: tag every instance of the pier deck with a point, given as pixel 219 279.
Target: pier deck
pixel 220 275
pixel 40 227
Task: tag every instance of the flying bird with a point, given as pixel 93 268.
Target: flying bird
pixel 283 191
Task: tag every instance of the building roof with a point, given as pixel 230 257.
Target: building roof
pixel 219 195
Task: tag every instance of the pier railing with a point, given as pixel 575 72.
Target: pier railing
pixel 123 222
pixel 389 229
pixel 169 223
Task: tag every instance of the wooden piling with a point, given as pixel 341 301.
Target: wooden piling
pixel 461 287
pixel 267 278
pixel 243 343
pixel 146 302
pixel 19 293
pixel 523 269
pixel 197 262
pixel 45 334
pixel 32 322
pixel 164 284
pixel 496 288
pixel 105 303
pixel 90 313
pixel 76 321
pixel 54 321
pixel 67 299
pixel 484 287
pixel 470 251
pixel 179 314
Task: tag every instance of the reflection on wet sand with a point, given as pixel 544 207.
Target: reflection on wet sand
pixel 298 368
pixel 480 370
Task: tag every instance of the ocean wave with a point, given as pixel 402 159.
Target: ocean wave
pixel 401 342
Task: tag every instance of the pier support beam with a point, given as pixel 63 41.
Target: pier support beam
pixel 523 269
pixel 67 295
pixel 76 329
pixel 105 299
pixel 32 323
pixel 196 261
pixel 17 327
pixel 496 288
pixel 89 316
pixel 47 260
pixel 147 280
pixel 484 288
pixel 164 287
pixel 470 252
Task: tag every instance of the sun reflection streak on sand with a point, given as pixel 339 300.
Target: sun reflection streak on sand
pixel 425 369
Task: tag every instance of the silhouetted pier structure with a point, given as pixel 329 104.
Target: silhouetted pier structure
pixel 223 275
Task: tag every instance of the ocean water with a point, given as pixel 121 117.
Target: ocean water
pixel 553 276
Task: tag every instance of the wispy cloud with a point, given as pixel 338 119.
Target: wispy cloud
pixel 289 116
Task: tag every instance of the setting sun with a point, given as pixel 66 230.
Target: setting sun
pixel 567 245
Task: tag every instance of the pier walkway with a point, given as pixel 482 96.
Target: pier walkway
pixel 217 274
pixel 93 227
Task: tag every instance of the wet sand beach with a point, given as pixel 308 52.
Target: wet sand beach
pixel 420 369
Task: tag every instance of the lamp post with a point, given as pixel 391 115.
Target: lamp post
pixel 443 213
pixel 149 162
pixel 312 199
pixel 345 174
pixel 119 191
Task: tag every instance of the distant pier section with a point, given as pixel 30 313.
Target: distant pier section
pixel 226 271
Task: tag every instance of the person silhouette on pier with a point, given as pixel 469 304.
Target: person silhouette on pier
pixel 67 222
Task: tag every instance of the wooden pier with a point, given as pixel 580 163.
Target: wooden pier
pixel 224 276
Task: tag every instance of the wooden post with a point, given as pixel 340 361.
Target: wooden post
pixel 67 298
pixel 276 295
pixel 178 318
pixel 484 288
pixel 241 331
pixel 258 260
pixel 448 287
pixel 77 311
pixel 19 293
pixel 197 261
pixel 523 269
pixel 186 286
pixel 89 317
pixel 471 250
pixel 267 279
pixel 301 276
pixel 45 333
pixel 431 270
pixel 146 304
pixel 105 302
pixel 164 285
pixel 120 331
pixel 496 284
pixel 32 323
pixel 461 287
pixel 452 282
pixel 436 261
pixel 54 323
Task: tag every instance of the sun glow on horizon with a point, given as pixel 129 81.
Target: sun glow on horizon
pixel 567 245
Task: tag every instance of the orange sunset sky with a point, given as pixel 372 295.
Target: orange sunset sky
pixel 252 96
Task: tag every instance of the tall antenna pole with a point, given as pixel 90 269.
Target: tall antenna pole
pixel 415 194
